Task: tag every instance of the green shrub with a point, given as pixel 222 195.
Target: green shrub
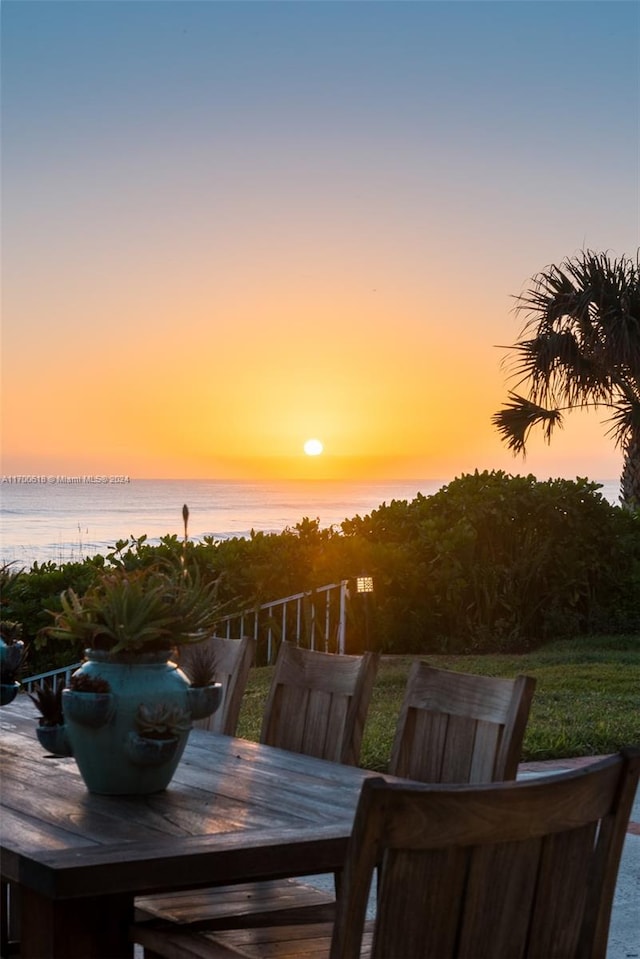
pixel 497 562
pixel 28 595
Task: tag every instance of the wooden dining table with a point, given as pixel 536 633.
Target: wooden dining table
pixel 235 811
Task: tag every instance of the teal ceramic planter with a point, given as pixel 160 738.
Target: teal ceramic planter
pixel 113 755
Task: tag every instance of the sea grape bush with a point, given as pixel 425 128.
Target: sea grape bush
pixel 504 563
pixel 491 562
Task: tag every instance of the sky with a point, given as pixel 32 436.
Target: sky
pixel 228 227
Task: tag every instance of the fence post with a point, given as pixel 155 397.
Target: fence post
pixel 342 617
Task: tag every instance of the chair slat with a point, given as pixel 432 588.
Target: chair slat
pixel 486 746
pixel 419 752
pixel 283 900
pixel 458 753
pixel 401 929
pixel 497 903
pixel 561 891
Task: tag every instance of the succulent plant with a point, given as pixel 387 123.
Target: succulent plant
pixel 157 607
pixel 198 663
pixel 86 683
pixel 48 700
pixel 161 721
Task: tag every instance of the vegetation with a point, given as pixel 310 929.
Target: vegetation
pixel 585 704
pixel 156 607
pixel 580 348
pixel 29 596
pixel 498 563
pixel 161 721
pixel 491 563
pixel 48 700
pixel 88 683
pixel 10 632
pixel 198 663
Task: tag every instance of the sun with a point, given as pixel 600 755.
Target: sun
pixel 313 447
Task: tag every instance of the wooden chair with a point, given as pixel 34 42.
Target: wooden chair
pixel 502 871
pixel 317 705
pixel 460 728
pixel 230 661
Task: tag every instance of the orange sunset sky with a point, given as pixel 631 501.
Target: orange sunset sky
pixel 229 227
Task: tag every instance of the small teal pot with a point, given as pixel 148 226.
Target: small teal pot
pixel 53 740
pixel 112 755
pixel 144 751
pixel 8 692
pixel 204 700
pixel 88 709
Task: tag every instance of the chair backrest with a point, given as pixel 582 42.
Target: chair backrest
pixel 522 870
pixel 231 660
pixel 318 702
pixel 457 727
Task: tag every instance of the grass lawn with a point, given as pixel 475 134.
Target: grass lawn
pixel 586 703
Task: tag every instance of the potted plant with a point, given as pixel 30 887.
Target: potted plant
pixel 12 657
pixel 51 730
pixel 157 733
pixel 88 700
pixel 130 622
pixel 198 663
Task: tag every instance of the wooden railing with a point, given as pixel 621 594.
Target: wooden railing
pixel 316 619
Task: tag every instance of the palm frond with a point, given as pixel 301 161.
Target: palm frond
pixel 559 372
pixel 579 347
pixel 519 416
pixel 624 423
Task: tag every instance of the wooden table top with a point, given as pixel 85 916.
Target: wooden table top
pixel 235 810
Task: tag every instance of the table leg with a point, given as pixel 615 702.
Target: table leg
pixel 9 920
pixel 92 928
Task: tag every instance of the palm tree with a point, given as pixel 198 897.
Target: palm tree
pixel 580 348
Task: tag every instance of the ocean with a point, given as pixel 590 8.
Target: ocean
pixel 65 519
